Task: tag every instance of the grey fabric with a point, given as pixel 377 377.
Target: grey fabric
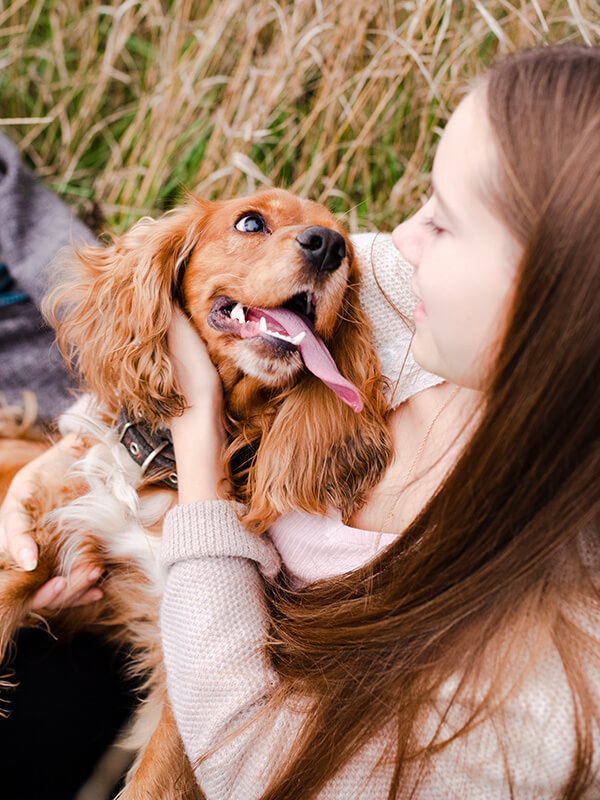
pixel 29 360
pixel 34 225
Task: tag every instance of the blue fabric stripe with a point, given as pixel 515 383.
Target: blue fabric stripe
pixel 7 297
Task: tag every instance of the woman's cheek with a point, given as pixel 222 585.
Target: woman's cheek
pixel 441 343
pixel 431 287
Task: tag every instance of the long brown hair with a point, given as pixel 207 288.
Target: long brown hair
pixel 481 584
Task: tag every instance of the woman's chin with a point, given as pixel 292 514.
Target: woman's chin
pixel 423 355
pixel 428 358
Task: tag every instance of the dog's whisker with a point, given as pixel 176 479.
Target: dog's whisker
pixel 348 211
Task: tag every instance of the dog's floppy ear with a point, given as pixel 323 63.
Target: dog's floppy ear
pixel 318 454
pixel 112 307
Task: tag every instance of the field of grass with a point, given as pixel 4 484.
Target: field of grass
pixel 125 103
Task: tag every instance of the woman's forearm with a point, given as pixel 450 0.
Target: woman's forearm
pixel 214 625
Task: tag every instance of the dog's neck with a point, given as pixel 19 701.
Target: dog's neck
pixel 244 396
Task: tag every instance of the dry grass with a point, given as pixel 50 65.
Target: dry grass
pixel 339 100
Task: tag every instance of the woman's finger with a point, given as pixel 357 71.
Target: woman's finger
pixel 196 374
pixel 15 523
pixel 91 596
pixel 76 590
pixel 48 593
pixel 14 538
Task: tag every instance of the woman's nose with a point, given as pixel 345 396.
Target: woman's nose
pixel 408 238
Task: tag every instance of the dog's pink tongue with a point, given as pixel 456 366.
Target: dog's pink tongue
pixel 315 355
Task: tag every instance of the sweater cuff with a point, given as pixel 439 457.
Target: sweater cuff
pixel 212 528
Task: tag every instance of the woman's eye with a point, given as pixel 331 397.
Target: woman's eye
pixel 250 223
pixel 433 226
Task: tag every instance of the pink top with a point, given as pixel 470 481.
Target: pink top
pixel 321 547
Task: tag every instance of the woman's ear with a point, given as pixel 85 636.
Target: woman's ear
pixel 111 308
pixel 318 454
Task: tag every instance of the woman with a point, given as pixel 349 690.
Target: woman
pixel 463 660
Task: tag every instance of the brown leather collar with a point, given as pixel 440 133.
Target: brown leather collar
pixel 152 451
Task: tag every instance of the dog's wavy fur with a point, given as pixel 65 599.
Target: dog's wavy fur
pixel 292 444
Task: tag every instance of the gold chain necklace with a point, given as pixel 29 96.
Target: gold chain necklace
pixel 409 474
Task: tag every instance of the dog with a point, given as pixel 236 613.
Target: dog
pixel 271 284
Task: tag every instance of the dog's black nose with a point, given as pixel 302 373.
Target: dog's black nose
pixel 323 248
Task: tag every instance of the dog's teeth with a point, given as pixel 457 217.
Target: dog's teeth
pixel 263 327
pixel 237 312
pixel 295 340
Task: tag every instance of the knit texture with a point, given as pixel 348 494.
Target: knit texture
pixel 215 627
pixel 213 529
pixel 219 677
pixel 389 303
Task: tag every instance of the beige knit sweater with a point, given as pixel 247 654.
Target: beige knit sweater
pixel 214 628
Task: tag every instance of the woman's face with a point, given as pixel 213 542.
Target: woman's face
pixel 464 257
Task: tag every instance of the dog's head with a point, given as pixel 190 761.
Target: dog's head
pixel 265 280
pixel 265 286
pixel 271 284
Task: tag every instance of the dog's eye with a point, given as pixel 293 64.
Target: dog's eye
pixel 250 223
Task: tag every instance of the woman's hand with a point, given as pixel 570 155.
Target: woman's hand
pixel 198 434
pixel 58 592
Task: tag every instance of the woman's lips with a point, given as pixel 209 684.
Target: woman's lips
pixel 419 312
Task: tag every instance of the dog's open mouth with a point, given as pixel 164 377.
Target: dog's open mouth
pixel 287 328
pixel 249 322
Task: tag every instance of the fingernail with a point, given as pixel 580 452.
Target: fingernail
pixel 95 594
pixel 58 586
pixel 28 559
pixel 94 574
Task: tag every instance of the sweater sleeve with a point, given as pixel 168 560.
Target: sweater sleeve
pixel 214 626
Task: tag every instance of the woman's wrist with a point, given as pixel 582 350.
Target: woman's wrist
pixel 198 434
pixel 198 443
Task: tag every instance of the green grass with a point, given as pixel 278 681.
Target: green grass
pixel 339 100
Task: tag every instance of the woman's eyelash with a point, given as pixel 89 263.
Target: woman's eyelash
pixel 431 224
